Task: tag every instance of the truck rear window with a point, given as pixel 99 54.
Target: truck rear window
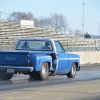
pixel 34 45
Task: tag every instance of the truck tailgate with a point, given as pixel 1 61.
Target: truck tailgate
pixel 13 58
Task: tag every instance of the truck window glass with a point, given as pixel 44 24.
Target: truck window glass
pixel 34 45
pixel 59 47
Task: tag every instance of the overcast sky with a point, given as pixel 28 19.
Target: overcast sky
pixel 71 9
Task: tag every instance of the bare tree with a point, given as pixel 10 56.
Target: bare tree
pixel 41 22
pixel 58 21
pixel 17 16
pixel 77 32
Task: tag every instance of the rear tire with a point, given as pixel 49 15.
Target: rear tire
pixel 4 76
pixel 72 72
pixel 42 74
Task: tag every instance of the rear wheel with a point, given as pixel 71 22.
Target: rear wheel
pixel 4 76
pixel 72 72
pixel 42 74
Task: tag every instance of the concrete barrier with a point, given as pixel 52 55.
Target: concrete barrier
pixel 90 57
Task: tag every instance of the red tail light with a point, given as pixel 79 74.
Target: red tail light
pixel 31 64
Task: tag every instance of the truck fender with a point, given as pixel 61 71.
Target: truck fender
pixel 41 60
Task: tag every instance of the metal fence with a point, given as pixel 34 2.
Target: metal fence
pixel 6 48
pixel 83 45
pixel 86 45
pixel 78 48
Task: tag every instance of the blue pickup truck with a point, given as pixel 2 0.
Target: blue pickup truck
pixel 39 58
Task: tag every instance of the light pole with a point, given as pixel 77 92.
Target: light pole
pixel 83 22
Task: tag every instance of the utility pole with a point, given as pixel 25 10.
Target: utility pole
pixel 99 28
pixel 83 22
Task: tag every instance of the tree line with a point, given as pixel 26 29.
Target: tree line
pixel 56 21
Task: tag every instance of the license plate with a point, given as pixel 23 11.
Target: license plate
pixel 10 70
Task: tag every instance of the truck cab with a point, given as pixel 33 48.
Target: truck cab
pixel 38 58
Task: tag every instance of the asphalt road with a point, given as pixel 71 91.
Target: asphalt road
pixel 85 86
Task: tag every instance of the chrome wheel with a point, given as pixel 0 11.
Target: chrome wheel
pixel 74 69
pixel 42 74
pixel 44 70
pixel 72 72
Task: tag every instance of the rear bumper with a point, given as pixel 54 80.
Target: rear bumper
pixel 17 69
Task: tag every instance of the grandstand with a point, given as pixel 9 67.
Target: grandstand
pixel 10 32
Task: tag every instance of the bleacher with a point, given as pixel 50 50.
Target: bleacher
pixel 10 32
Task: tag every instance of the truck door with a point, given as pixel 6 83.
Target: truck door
pixel 62 58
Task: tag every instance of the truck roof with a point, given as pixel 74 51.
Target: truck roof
pixel 35 39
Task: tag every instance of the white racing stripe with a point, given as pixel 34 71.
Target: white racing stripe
pixel 68 59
